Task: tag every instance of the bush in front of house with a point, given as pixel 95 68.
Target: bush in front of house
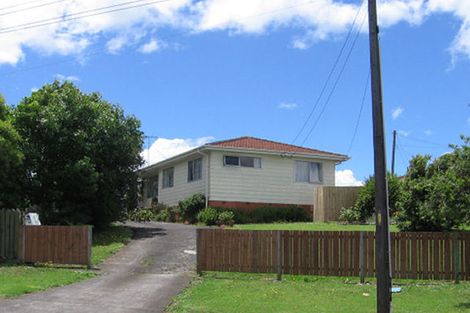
pixel 364 207
pixel 142 215
pixel 349 215
pixel 226 218
pixel 191 206
pixel 208 216
pixel 165 215
pixel 271 215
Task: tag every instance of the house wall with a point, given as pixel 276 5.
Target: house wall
pixel 274 182
pixel 181 188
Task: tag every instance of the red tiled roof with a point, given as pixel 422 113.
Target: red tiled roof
pixel 263 144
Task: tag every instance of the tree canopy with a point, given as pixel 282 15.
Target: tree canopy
pixel 436 195
pixel 81 154
pixel 11 161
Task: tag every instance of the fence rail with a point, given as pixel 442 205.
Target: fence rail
pixel 57 244
pixel 10 221
pixel 438 256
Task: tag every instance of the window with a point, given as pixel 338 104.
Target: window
pixel 194 170
pixel 168 177
pixel 242 161
pixel 231 160
pixel 152 187
pixel 308 172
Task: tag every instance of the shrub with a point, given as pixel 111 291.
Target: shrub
pixel 349 215
pixel 164 215
pixel 226 218
pixel 270 215
pixel 208 216
pixel 142 215
pixel 364 207
pixel 191 206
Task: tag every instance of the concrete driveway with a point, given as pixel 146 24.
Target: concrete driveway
pixel 143 277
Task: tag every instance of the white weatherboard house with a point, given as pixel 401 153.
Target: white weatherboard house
pixel 242 173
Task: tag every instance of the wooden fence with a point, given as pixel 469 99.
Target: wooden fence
pixel 10 221
pixel 439 256
pixel 328 201
pixel 56 244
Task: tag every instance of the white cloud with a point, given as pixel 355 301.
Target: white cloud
pixel 70 78
pixel 346 178
pixel 152 46
pixel 300 44
pixel 34 89
pixel 403 133
pixel 164 148
pixel 428 132
pixel 287 106
pixel 397 112
pixel 312 20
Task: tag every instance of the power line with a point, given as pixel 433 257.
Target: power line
pixel 79 15
pixel 19 4
pixel 360 113
pixel 423 141
pixel 33 7
pixel 335 83
pixel 338 57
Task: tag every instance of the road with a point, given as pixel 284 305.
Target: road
pixel 143 277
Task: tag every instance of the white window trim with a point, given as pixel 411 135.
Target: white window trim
pixel 239 161
pixel 202 168
pixel 320 174
pixel 163 177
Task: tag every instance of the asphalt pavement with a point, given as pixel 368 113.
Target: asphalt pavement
pixel 143 277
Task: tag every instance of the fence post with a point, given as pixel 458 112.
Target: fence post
pixel 21 243
pixel 90 243
pixel 279 255
pixel 362 262
pixel 456 256
pixel 198 252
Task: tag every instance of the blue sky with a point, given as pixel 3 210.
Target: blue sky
pixel 193 72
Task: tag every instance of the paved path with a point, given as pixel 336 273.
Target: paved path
pixel 143 277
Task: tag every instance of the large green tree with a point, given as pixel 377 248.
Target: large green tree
pixel 436 195
pixel 11 161
pixel 81 155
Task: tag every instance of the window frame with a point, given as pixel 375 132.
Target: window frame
pixel 240 161
pixel 309 164
pixel 152 185
pixel 171 182
pixel 191 170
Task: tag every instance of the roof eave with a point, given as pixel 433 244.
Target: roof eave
pixel 332 157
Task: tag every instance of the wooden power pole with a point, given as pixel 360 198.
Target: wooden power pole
pixel 382 235
pixel 394 146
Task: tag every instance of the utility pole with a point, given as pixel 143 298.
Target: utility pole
pixel 393 151
pixel 382 234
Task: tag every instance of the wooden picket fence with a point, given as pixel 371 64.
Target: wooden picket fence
pixel 424 255
pixel 56 244
pixel 10 221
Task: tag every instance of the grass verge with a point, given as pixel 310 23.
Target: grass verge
pixel 109 241
pixel 16 279
pixel 235 292
pixel 310 226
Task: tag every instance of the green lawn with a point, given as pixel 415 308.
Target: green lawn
pixel 234 292
pixel 16 279
pixel 109 241
pixel 309 226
